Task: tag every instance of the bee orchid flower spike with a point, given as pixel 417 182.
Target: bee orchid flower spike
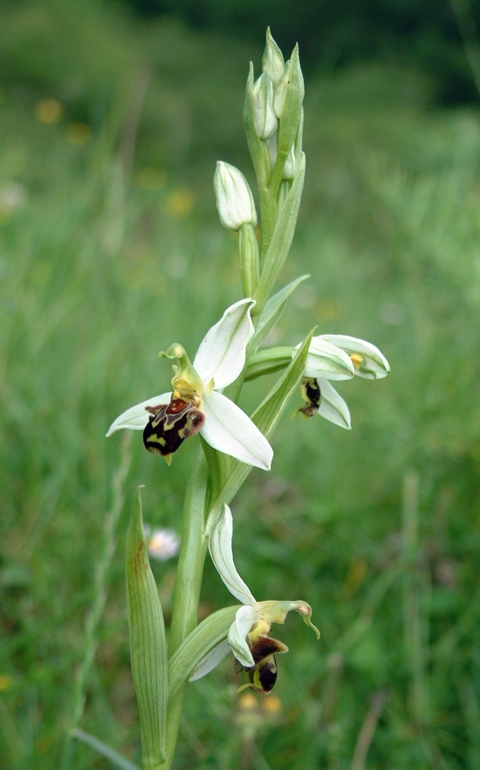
pixel 249 635
pixel 195 403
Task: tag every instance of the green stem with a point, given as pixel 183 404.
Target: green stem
pixel 277 173
pixel 187 586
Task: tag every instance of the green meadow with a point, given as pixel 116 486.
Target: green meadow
pixel 111 250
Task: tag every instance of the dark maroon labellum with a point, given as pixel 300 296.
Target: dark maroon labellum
pixel 170 424
pixel 263 675
pixel 312 395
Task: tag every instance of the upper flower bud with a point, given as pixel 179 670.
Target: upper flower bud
pixel 273 62
pixel 367 359
pixel 234 198
pixel 266 122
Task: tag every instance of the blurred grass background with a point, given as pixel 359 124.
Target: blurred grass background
pixel 110 250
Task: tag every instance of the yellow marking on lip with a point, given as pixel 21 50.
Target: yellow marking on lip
pixel 157 440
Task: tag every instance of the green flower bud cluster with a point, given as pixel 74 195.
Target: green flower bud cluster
pixel 273 118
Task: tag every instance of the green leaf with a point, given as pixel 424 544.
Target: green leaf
pixel 282 238
pixel 105 751
pixel 147 643
pixel 265 417
pixel 268 361
pixel 198 643
pixel 273 310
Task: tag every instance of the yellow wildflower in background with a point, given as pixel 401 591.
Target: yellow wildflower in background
pixel 49 111
pixel 179 203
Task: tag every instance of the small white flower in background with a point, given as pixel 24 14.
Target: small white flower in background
pixel 248 637
pixel 234 198
pixel 196 405
pixel 12 197
pixel 162 543
pixel 337 357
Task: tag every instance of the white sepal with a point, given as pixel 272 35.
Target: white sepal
pixel 332 405
pixel 137 417
pixel 228 429
pixel 221 355
pixel 220 544
pixel 245 619
pixel 327 360
pixel 211 660
pixel 374 365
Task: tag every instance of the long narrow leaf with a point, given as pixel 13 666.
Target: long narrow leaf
pixel 273 310
pixel 105 751
pixel 268 361
pixel 147 642
pixel 282 238
pixel 265 417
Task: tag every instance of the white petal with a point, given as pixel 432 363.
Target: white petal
pixel 211 660
pixel 137 417
pixel 245 619
pixel 332 406
pixel 221 354
pixel 327 360
pixel 375 361
pixel 220 545
pixel 231 431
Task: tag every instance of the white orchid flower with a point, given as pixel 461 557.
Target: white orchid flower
pixel 367 359
pixel 196 405
pixel 327 354
pixel 248 637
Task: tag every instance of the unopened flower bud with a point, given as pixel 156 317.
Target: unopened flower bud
pixel 266 121
pixel 273 62
pixel 234 198
pixel 290 166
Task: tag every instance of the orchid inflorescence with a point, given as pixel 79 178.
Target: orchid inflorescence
pixel 233 353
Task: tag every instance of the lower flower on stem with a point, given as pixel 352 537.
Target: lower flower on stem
pixel 249 635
